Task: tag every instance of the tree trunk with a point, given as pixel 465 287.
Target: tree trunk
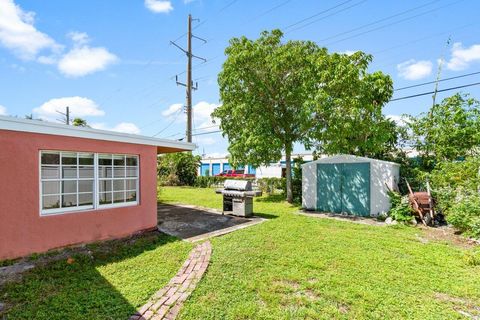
pixel 288 173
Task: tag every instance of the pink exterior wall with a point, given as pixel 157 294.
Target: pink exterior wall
pixel 23 231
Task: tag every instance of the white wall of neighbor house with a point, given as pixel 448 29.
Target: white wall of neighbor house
pixel 274 170
pixel 383 175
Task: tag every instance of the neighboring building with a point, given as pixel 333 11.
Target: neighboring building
pixel 214 165
pixel 349 184
pixel 63 185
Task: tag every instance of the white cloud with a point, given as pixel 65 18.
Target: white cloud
pixel 348 52
pixel 3 111
pixel 202 115
pixel 462 57
pixel 203 109
pixel 18 33
pixel 414 70
pixel 83 59
pixel 125 127
pixel 79 107
pixel 159 6
pixel 79 38
pixel 399 120
pixel 174 108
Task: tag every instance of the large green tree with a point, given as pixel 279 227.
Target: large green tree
pixel 449 130
pixel 275 94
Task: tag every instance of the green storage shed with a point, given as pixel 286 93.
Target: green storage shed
pixel 348 184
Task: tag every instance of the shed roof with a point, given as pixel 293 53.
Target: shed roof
pixel 342 157
pixel 44 127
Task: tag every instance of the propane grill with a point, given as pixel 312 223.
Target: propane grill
pixel 238 197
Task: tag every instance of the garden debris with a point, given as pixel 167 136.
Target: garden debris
pixel 422 204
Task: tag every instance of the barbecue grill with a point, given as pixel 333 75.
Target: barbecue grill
pixel 238 197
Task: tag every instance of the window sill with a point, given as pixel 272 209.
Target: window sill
pixel 57 212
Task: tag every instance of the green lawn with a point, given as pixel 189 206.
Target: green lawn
pixel 289 267
pixel 118 278
pixel 297 267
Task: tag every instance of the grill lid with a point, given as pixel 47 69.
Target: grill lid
pixel 241 185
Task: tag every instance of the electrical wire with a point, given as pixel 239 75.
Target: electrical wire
pixel 441 80
pixel 393 23
pixel 378 21
pixel 432 92
pixel 316 14
pixel 170 124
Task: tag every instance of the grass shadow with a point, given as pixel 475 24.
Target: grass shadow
pixel 86 287
pixel 272 198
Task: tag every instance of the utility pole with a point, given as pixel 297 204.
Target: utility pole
pixel 66 114
pixel 189 80
pixel 189 83
pixel 439 71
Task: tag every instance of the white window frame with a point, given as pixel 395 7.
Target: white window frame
pixel 96 194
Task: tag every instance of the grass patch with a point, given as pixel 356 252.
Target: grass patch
pixel 117 278
pixel 297 267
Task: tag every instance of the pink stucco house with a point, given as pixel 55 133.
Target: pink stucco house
pixel 62 185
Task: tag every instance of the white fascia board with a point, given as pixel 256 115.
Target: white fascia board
pixel 44 127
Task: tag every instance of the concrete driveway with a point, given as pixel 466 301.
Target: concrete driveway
pixel 194 224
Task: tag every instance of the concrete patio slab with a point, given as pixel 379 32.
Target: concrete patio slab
pixel 193 224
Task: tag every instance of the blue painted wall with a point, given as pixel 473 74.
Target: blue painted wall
pixel 215 168
pixel 204 169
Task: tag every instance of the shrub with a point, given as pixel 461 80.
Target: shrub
pixel 453 179
pixel 464 215
pixel 208 182
pixel 178 168
pixel 400 210
pixel 270 185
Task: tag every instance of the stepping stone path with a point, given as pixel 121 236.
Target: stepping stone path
pixel 167 302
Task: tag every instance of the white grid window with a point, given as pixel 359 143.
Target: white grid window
pixel 117 179
pixel 72 181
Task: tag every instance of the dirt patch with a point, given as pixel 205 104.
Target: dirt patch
pixel 343 308
pixel 444 234
pixel 343 217
pixel 463 306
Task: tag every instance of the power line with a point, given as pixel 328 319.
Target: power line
pixel 393 23
pixel 204 133
pixel 378 21
pixel 432 92
pixel 317 14
pixel 441 80
pixel 324 17
pixel 270 10
pixel 179 112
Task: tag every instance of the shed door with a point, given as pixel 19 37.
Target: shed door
pixel 356 188
pixel 344 188
pixel 329 187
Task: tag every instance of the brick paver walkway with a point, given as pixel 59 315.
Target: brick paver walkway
pixel 167 302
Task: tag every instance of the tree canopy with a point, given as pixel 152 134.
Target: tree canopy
pixel 449 130
pixel 276 94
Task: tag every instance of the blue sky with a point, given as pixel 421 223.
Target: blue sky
pixel 111 61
